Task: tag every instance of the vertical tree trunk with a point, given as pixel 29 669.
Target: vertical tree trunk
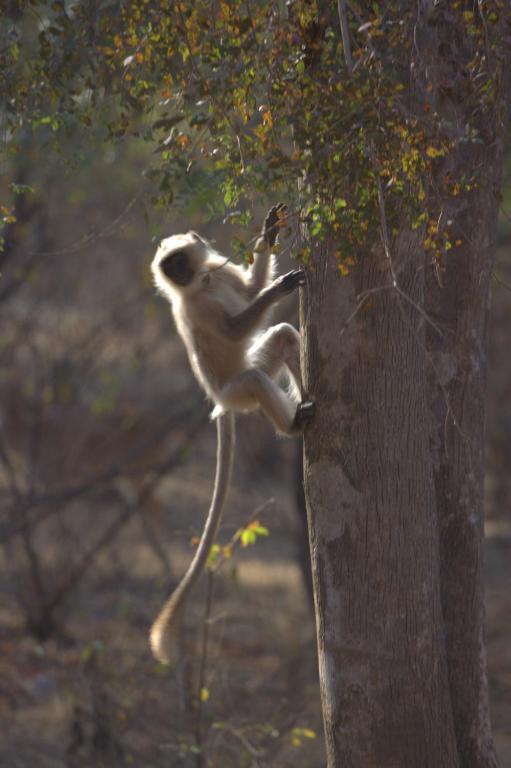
pixel 394 460
pixel 373 524
pixel 459 300
pixel 459 366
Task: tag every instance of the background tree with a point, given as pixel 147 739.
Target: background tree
pixel 383 127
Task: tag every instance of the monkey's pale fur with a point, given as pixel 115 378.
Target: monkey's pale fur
pixel 221 313
pixel 205 313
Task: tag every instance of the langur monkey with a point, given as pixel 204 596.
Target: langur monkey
pixel 221 313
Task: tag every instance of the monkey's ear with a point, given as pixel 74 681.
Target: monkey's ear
pixel 204 245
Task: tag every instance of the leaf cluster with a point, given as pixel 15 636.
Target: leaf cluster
pixel 246 98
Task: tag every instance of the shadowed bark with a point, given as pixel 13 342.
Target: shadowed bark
pixel 458 390
pixel 372 516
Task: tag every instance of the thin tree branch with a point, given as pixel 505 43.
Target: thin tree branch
pixel 386 248
pixel 56 498
pixel 500 281
pixel 342 9
pixel 114 528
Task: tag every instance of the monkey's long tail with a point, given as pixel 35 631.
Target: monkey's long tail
pixel 162 630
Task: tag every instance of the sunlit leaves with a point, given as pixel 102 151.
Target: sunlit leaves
pixel 252 532
pixel 242 100
pixel 298 734
pixel 7 214
pixel 244 537
pixel 435 151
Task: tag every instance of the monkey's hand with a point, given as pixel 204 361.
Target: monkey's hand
pixel 290 282
pixel 275 219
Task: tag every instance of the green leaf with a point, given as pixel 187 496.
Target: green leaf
pixel 248 537
pixel 260 530
pixel 20 189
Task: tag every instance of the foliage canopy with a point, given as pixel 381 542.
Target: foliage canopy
pixel 243 98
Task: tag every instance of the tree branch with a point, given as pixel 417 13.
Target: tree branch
pixel 342 9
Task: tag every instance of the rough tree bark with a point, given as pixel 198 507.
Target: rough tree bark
pixel 373 527
pixel 459 362
pixel 394 469
pixel 459 302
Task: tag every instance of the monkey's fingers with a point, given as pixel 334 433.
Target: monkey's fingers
pixel 291 281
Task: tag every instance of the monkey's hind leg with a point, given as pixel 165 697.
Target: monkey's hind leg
pixel 253 389
pixel 277 349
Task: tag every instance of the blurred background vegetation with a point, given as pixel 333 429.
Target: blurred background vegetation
pixel 106 465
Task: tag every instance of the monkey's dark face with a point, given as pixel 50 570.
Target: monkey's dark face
pixel 178 268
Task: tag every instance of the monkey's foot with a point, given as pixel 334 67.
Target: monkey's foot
pixel 304 413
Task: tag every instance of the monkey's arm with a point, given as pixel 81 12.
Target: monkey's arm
pixel 261 270
pixel 238 327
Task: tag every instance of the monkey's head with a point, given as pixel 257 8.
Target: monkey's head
pixel 178 262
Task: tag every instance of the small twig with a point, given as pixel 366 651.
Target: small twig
pixel 106 538
pixel 52 499
pixel 500 281
pixel 505 213
pixel 342 9
pixel 362 298
pixel 363 28
pixel 386 248
pixel 383 219
pixel 449 411
pixel 237 534
pixel 9 468
pixel 108 231
pixel 485 28
pixel 202 669
pixel 238 734
pixel 419 309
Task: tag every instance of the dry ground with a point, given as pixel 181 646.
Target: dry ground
pixel 97 698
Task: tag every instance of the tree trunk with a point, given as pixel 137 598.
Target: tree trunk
pixel 372 517
pixel 459 366
pixel 394 459
pixel 458 299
